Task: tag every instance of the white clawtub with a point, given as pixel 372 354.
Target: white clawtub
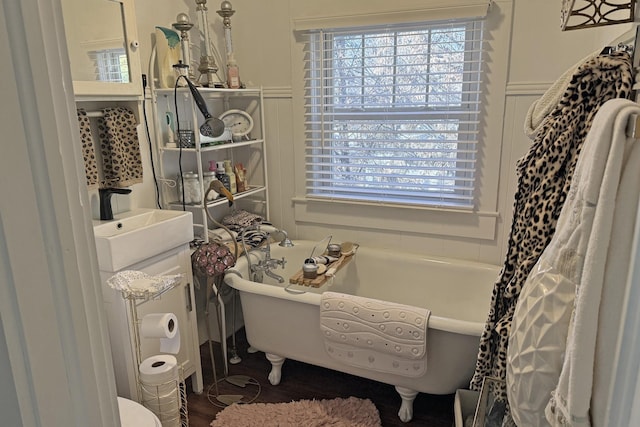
pixel 283 320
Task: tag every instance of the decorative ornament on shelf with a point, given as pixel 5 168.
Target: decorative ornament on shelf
pixel 168 54
pixel 207 68
pixel 578 14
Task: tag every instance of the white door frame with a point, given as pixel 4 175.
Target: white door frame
pixel 55 361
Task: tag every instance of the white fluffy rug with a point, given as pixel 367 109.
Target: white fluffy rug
pixel 350 412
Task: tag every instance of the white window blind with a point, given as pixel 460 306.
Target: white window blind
pixel 392 113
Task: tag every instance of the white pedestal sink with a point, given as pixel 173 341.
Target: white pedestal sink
pixel 140 234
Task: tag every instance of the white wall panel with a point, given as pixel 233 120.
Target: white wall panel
pixel 262 33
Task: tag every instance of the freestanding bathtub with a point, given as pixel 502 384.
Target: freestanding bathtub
pixel 282 320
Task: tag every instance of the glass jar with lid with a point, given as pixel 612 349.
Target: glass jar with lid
pixel 192 190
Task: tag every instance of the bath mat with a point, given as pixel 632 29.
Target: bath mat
pixel 350 412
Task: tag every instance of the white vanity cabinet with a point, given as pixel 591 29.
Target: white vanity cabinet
pixel 247 149
pixel 179 300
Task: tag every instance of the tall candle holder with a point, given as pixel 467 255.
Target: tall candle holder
pixel 184 24
pixel 233 73
pixel 226 12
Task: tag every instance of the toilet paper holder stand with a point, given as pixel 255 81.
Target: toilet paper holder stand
pixel 133 299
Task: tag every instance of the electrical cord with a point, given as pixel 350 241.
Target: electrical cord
pixel 146 127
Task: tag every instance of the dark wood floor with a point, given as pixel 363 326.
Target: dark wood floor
pixel 303 381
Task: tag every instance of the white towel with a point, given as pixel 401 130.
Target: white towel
pixel 541 107
pixel 604 192
pixel 374 334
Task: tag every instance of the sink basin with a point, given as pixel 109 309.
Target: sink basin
pixel 140 234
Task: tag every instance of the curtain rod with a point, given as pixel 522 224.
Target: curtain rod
pixel 95 114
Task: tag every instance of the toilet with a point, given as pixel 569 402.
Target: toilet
pixel 133 414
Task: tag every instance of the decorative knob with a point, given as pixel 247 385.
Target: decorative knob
pixel 183 18
pixel 183 23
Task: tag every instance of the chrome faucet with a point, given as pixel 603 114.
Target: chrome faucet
pixel 267 264
pixel 285 242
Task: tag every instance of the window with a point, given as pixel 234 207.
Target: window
pixel 392 113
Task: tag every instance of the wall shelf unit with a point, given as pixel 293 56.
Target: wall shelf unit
pixel 175 108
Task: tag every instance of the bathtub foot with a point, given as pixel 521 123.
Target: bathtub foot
pixel 406 409
pixel 252 350
pixel 276 368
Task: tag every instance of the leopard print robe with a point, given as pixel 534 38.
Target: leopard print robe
pixel 544 176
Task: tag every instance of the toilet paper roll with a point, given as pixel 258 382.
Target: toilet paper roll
pixel 159 380
pixel 165 327
pixel 159 325
pixel 159 369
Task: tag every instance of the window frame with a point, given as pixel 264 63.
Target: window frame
pixel 481 224
pixel 429 189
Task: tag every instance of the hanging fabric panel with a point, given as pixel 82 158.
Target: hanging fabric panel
pixel 544 177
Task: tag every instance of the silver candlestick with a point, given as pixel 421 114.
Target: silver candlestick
pixel 183 24
pixel 226 12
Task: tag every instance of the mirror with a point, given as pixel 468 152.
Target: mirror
pixel 102 45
